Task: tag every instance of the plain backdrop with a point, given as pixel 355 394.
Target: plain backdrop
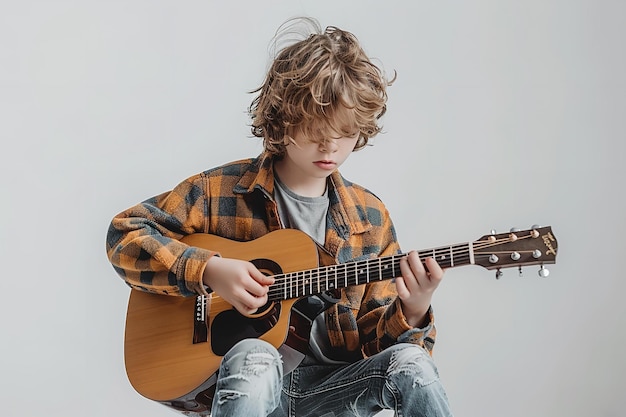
pixel 504 114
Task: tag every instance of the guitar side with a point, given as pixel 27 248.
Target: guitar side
pixel 162 362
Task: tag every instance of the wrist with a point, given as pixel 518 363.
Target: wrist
pixel 206 275
pixel 418 318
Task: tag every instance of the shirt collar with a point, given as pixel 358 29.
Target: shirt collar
pixel 347 206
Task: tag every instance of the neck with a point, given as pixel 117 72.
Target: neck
pixel 314 281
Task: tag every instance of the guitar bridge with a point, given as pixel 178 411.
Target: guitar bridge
pixel 200 324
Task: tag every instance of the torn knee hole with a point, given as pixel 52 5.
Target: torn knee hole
pixel 229 395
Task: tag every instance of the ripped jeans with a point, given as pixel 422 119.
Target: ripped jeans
pixel 402 378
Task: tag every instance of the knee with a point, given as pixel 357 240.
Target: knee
pixel 249 378
pixel 411 365
pixel 252 357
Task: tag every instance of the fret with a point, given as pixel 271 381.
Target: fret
pixel 360 272
pixel 440 255
pixel 300 284
pixel 390 268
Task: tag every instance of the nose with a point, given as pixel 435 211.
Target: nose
pixel 329 145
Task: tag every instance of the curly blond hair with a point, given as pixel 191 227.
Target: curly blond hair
pixel 310 85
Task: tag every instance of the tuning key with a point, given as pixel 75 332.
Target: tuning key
pixel 543 272
pixel 499 273
pixel 521 274
pixel 534 232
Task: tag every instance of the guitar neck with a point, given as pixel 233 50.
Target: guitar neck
pixel 314 281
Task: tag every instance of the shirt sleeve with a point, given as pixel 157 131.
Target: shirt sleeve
pixel 143 241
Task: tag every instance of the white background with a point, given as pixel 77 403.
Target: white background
pixel 504 114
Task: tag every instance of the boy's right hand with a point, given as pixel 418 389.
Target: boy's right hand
pixel 238 282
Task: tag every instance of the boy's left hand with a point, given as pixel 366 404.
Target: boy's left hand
pixel 416 287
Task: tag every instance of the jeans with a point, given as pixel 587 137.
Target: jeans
pixel 402 378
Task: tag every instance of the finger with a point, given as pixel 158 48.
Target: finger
pixel 417 266
pixel 246 310
pixel 407 274
pixel 401 289
pixel 415 273
pixel 260 277
pixel 258 284
pixel 252 302
pixel 255 289
pixel 434 269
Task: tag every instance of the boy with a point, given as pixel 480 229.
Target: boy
pixel 368 345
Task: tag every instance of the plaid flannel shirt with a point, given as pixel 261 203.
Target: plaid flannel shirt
pixel 236 201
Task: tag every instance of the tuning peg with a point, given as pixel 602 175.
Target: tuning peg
pixel 521 274
pixel 534 233
pixel 543 272
pixel 514 229
pixel 493 231
pixel 499 273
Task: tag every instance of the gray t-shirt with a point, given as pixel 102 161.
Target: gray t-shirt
pixel 303 213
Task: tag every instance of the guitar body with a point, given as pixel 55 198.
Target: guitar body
pixel 164 362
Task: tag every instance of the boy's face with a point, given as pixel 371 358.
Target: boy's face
pixel 318 158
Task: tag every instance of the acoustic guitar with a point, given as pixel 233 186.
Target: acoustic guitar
pixel 174 344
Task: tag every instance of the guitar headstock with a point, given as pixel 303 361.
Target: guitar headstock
pixel 517 248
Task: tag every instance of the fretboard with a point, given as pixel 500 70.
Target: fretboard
pixel 314 281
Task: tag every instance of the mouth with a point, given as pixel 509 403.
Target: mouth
pixel 325 164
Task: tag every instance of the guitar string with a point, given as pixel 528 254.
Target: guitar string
pixel 311 281
pixel 350 271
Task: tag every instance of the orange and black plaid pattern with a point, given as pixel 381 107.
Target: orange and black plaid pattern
pixel 235 201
